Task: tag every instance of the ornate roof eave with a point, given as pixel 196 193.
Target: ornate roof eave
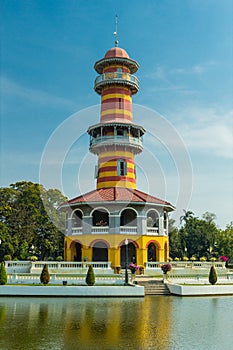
pixel 128 62
pixel 99 125
pixel 168 206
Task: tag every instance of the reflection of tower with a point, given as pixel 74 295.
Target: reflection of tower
pixel 116 139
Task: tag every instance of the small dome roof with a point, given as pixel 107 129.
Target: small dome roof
pixel 116 52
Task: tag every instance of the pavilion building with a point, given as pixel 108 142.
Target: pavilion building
pixel 103 223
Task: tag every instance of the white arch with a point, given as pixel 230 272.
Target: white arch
pixel 128 208
pixel 77 209
pixel 99 208
pixel 153 209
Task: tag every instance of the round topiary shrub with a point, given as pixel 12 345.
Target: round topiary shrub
pixel 45 276
pixel 3 274
pixel 213 275
pixel 90 278
pixel 7 257
pixel 59 258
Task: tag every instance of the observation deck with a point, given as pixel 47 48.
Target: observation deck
pixel 116 78
pixel 131 142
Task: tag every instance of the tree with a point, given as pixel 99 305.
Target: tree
pixel 175 248
pixel 187 215
pixel 225 241
pixel 3 274
pixel 29 217
pixel 213 275
pixel 45 276
pixel 90 278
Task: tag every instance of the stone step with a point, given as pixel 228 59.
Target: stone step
pixel 154 287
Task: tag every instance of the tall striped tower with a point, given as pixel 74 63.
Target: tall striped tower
pixel 115 139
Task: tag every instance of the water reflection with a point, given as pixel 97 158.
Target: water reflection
pixel 158 323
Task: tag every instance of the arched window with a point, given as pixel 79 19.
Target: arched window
pixel 121 167
pixel 77 218
pixel 165 216
pixel 128 218
pixel 100 217
pixel 152 219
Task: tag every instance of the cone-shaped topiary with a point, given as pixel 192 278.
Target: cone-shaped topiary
pixel 3 274
pixel 45 276
pixel 213 275
pixel 90 278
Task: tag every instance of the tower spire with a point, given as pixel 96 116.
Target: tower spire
pixel 116 32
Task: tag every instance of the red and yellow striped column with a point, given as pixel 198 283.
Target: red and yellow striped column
pixel 110 172
pixel 114 139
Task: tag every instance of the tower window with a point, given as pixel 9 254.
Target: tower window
pixel 121 167
pixel 120 132
pixel 96 171
pixel 120 103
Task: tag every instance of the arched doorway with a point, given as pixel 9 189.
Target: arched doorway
pixel 131 254
pixel 165 252
pixel 152 252
pixel 77 251
pixel 100 251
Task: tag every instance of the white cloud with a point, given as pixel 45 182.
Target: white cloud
pixel 207 130
pixel 196 69
pixel 12 88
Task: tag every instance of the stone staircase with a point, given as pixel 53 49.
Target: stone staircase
pixel 153 286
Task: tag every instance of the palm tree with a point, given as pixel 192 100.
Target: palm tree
pixel 187 215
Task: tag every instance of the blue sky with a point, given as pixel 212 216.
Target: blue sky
pixel 184 48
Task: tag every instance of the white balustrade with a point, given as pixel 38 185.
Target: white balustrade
pixel 152 230
pixel 100 229
pixel 128 230
pixel 77 230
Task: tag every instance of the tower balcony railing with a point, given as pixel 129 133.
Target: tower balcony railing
pixel 116 77
pixel 126 140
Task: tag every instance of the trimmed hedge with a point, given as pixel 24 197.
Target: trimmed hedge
pixel 3 274
pixel 90 278
pixel 45 276
pixel 213 275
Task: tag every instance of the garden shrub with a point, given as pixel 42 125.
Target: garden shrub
pixel 45 276
pixel 7 257
pixel 90 278
pixel 3 274
pixel 213 275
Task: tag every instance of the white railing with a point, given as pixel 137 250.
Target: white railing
pixel 77 230
pixel 58 279
pixel 152 230
pixel 18 266
pixel 71 265
pixel 186 264
pixel 128 229
pixel 57 266
pixel 116 139
pixel 116 76
pixel 100 229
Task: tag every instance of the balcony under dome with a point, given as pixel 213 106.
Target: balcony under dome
pixel 133 142
pixel 116 78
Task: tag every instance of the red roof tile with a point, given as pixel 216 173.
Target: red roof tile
pixel 116 52
pixel 114 194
